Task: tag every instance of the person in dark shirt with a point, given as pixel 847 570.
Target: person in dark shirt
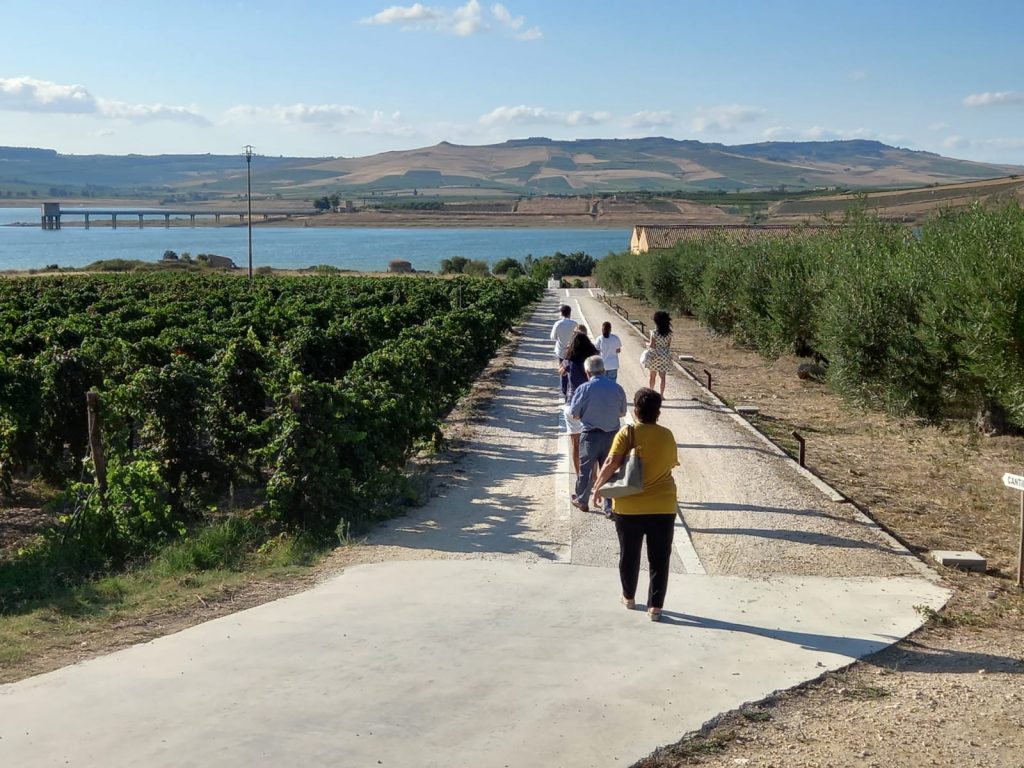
pixel 579 349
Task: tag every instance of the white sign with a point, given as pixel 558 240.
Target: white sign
pixel 1014 481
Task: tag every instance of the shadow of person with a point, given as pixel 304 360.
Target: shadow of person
pixel 910 656
pixel 851 647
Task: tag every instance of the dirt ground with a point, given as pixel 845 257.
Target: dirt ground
pixel 953 693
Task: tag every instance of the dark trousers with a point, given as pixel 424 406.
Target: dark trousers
pixel 565 380
pixel 659 530
pixel 594 448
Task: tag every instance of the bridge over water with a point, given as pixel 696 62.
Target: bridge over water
pixel 52 214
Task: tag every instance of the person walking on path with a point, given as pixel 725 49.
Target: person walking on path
pixel 660 344
pixel 609 346
pixel 598 405
pixel 650 514
pixel 580 348
pixel 561 333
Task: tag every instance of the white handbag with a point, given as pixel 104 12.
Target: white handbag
pixel 628 479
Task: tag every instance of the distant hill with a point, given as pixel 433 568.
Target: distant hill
pixel 521 167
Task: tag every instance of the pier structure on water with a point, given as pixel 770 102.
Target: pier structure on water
pixel 52 214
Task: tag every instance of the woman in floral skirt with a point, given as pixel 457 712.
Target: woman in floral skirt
pixel 660 360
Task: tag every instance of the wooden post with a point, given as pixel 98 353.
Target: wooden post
pixel 99 462
pixel 800 441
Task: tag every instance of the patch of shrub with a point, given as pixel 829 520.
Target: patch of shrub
pixel 932 327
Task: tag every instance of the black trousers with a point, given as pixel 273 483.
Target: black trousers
pixel 659 530
pixel 565 379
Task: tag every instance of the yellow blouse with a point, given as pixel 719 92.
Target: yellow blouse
pixel 656 447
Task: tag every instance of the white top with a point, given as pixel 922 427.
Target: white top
pixel 609 349
pixel 562 332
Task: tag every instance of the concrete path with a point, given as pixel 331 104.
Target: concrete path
pixel 490 633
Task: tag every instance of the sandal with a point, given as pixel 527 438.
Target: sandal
pixel 654 614
pixel 628 602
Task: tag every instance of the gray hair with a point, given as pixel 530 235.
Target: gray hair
pixel 594 365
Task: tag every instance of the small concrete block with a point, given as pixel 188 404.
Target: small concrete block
pixel 966 560
pixel 747 410
pixel 686 358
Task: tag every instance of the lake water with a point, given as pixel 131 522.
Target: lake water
pixel 358 248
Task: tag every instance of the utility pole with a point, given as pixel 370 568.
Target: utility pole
pixel 248 198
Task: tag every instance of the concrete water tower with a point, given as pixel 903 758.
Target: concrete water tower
pixel 51 215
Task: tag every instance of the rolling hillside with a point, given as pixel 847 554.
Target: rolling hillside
pixel 523 167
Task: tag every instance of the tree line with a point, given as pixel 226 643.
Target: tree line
pixel 928 323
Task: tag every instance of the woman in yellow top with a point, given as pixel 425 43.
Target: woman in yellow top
pixel 650 513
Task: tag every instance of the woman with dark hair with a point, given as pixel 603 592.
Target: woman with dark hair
pixel 660 344
pixel 650 514
pixel 579 349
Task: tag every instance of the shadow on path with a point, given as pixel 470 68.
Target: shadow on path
pixel 711 506
pixel 497 498
pixel 851 647
pixel 800 537
pixel 910 657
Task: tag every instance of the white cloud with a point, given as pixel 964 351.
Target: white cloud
pixel 940 126
pixel 524 115
pixel 388 124
pixel 503 16
pixel 789 133
pixel 25 94
pixel 463 21
pixel 149 112
pixel 994 98
pixel 650 119
pixel 325 115
pixel 413 14
pixel 724 118
pixel 468 20
pixel 323 118
pixel 817 133
pixel 514 24
pixel 821 133
pixel 533 33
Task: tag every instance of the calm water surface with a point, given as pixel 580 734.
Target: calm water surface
pixel 358 248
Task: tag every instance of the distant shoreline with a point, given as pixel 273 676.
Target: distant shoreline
pixel 376 220
pixel 301 218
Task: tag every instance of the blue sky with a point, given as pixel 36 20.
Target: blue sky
pixel 354 77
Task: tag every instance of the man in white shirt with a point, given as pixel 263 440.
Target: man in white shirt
pixel 562 332
pixel 609 345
